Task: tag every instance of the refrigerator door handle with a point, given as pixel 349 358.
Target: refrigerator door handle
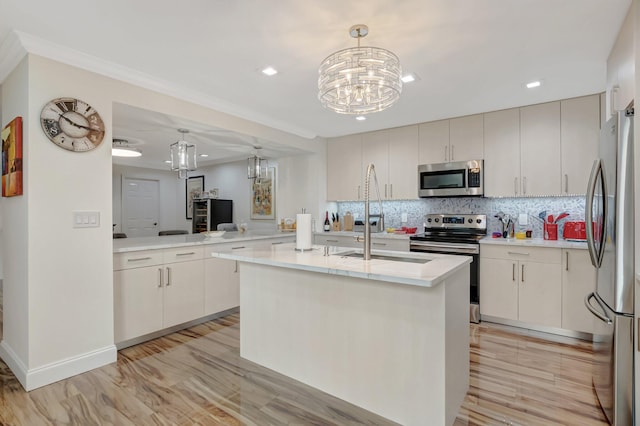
pixel 596 171
pixel 587 303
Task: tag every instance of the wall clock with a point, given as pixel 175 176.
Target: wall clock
pixel 72 124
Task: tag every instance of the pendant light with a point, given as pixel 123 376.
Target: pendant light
pixel 257 166
pixel 359 80
pixel 183 156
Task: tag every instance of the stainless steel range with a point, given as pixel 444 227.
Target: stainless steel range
pixel 457 234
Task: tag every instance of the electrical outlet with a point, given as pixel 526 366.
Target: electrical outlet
pixel 404 217
pixel 523 219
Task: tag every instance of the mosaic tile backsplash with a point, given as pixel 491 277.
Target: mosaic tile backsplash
pixel 416 209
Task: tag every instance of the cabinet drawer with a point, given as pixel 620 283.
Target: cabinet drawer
pixel 136 259
pixel 183 254
pixel 532 254
pixel 336 240
pixel 389 244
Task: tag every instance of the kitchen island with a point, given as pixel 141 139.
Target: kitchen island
pixel 389 335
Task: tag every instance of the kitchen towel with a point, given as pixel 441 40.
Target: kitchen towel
pixel 304 237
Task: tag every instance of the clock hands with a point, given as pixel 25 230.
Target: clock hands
pixel 73 123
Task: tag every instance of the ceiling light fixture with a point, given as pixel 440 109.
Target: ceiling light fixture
pixel 361 118
pixel 183 156
pixel 203 155
pixel 121 148
pixel 533 84
pixel 408 78
pixel 270 71
pixel 257 166
pixel 359 80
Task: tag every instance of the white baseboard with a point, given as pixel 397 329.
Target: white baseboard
pixel 51 373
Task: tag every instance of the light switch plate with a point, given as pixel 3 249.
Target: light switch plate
pixel 88 219
pixel 404 217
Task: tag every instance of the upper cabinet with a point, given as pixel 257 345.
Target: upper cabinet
pixel 375 150
pixel 403 163
pixel 344 168
pixel 621 67
pixel 580 131
pixel 502 153
pixel 457 139
pixel 540 149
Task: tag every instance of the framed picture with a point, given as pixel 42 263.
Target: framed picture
pixel 12 158
pixel 194 186
pixel 263 196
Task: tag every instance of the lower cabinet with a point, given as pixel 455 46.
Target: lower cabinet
pixel 222 285
pixel 183 290
pixel 521 284
pixel 380 243
pixel 578 280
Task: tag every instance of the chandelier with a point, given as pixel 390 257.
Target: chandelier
pixel 359 80
pixel 257 166
pixel 183 156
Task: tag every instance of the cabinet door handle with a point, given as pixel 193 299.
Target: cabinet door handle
pixel 566 253
pixel 445 152
pixel 452 146
pixel 236 248
pixel 236 270
pixel 390 190
pixel 513 272
pixel 515 185
pixel 522 276
pixel 524 185
pixel 332 241
pixel 358 192
pixel 378 244
pixel 160 278
pixel 385 191
pixel 168 276
pixel 566 183
pixel 137 259
pixel 276 243
pixel 186 254
pixel 518 253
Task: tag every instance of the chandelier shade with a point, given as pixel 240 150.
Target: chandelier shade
pixel 183 156
pixel 257 167
pixel 359 80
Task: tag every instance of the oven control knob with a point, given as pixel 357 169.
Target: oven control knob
pixel 470 220
pixel 429 220
pixel 437 220
pixel 478 220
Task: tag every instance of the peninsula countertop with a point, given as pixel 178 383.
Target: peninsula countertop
pixel 436 269
pixel 123 245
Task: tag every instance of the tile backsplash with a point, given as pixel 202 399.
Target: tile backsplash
pixel 416 209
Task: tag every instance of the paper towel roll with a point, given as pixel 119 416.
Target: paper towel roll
pixel 304 237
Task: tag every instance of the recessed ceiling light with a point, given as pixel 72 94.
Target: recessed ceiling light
pixel 361 118
pixel 121 148
pixel 533 84
pixel 204 155
pixel 167 161
pixel 269 71
pixel 408 78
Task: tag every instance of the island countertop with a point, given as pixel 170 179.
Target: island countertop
pixel 437 268
pixel 123 245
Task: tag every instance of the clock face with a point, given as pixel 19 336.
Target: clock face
pixel 72 124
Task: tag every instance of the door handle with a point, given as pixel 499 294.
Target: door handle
pixel 566 253
pixel 587 303
pixel 452 156
pixel 445 152
pixel 236 270
pixel 524 185
pixel 566 183
pixel 390 190
pixel 160 278
pixel 385 191
pixel 522 275
pixel 513 272
pixel 515 186
pixel 168 276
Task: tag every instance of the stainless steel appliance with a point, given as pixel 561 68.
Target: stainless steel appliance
pixel 610 232
pixel 453 179
pixel 457 234
pixel 208 213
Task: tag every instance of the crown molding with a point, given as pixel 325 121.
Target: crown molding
pixel 18 44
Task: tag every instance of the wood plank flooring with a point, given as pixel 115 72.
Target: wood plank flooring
pixel 196 377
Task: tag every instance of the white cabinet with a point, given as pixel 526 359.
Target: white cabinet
pixel 183 291
pixel 621 66
pixel 375 150
pixel 457 139
pixel 540 167
pixel 403 163
pixel 502 153
pixel 344 168
pixel 378 243
pixel 580 132
pixel 222 285
pixel 521 284
pixel 578 280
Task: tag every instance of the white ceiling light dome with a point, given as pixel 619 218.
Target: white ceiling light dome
pixel 122 148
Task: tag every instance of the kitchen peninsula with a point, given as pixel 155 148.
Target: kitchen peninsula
pixel 390 335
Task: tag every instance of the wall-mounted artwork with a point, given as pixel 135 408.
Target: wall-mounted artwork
pixel 263 196
pixel 12 158
pixel 194 187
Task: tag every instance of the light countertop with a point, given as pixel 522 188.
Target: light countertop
pixel 373 234
pixel 122 245
pixel 429 274
pixel 535 242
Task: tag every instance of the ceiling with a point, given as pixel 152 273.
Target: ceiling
pixel 470 56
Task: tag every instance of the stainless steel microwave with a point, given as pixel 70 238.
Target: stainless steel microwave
pixel 454 179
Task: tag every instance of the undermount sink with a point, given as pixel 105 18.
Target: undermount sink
pixel 384 257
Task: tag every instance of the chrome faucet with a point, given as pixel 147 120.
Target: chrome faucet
pixel 367 225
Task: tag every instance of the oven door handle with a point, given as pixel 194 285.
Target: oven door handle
pixel 453 248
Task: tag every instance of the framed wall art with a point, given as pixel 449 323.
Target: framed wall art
pixel 263 196
pixel 194 186
pixel 12 158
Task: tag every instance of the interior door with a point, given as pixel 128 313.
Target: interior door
pixel 140 207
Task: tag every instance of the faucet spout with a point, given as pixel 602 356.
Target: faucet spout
pixel 367 224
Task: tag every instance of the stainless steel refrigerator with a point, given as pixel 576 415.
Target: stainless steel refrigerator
pixel 610 233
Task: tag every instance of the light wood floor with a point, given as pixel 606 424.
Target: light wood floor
pixel 196 377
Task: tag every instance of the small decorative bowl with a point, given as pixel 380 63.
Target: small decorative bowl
pixel 212 234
